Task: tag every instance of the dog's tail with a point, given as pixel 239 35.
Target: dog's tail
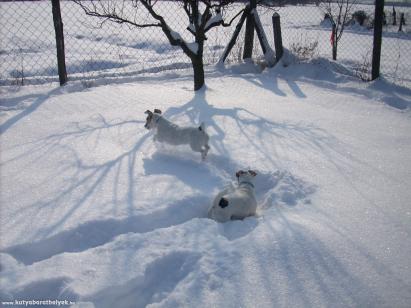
pixel 202 127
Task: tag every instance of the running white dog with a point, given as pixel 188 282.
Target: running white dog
pixel 235 202
pixel 173 134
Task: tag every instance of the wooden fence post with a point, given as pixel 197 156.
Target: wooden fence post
pixel 265 46
pixel 402 22
pixel 58 28
pixel 249 33
pixel 394 16
pixel 233 39
pixel 376 53
pixel 278 41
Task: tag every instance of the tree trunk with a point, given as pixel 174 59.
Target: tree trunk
pixel 198 68
pixel 335 51
pixel 334 41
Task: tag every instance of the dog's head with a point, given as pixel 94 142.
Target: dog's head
pixel 152 118
pixel 245 176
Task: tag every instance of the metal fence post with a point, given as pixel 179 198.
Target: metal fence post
pixel 249 33
pixel 376 52
pixel 58 28
pixel 278 41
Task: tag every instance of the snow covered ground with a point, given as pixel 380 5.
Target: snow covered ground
pixel 93 211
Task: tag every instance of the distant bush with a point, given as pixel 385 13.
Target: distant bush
pixel 360 17
pixel 363 68
pixel 304 48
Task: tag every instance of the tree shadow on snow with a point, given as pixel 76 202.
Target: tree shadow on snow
pixel 298 258
pixel 262 134
pixel 39 100
pixel 82 180
pixel 99 232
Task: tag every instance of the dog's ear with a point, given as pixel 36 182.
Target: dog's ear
pixel 239 173
pixel 157 111
pixel 252 172
pixel 148 112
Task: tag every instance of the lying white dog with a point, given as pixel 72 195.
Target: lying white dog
pixel 235 202
pixel 173 134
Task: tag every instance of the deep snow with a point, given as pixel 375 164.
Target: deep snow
pixel 93 211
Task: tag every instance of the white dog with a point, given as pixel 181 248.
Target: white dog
pixel 173 134
pixel 235 202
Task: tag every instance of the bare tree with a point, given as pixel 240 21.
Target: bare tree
pixel 202 16
pixel 339 12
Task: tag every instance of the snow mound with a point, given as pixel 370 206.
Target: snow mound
pixel 326 23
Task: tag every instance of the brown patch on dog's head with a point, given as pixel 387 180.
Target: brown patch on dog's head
pixel 242 172
pixel 252 172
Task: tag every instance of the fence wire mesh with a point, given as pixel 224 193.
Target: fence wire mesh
pixel 96 49
pixel 27 43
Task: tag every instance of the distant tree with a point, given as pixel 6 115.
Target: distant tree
pixel 202 16
pixel 339 12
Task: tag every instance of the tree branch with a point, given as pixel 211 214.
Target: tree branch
pixel 222 23
pixel 171 36
pixel 112 16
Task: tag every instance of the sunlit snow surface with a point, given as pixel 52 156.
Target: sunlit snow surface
pixel 95 212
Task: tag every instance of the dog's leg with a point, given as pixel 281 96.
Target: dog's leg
pixel 203 155
pixel 204 151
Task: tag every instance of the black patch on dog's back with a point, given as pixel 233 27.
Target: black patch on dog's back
pixel 223 203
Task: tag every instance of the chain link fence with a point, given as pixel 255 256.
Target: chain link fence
pixel 96 49
pixel 27 43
